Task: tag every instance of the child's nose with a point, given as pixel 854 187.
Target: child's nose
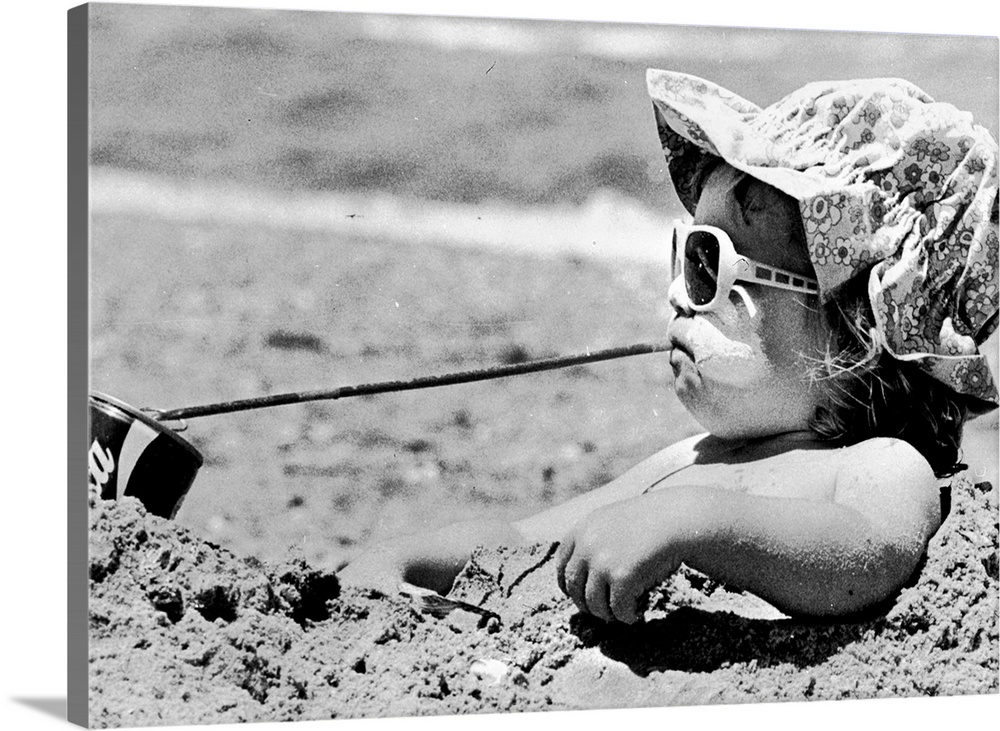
pixel 678 297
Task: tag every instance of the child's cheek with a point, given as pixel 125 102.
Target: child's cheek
pixel 729 350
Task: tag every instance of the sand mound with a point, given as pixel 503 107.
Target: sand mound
pixel 184 632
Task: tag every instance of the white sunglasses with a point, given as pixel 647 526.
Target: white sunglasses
pixel 706 257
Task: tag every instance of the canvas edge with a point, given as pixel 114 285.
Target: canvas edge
pixel 78 133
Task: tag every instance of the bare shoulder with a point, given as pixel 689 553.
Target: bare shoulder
pixel 891 483
pixel 887 460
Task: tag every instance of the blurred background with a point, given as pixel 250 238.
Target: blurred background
pixel 451 109
pixel 287 200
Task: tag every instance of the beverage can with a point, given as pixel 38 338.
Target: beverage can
pixel 133 454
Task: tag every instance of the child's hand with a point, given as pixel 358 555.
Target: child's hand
pixel 613 556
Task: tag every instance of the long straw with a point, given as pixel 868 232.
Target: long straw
pixel 446 379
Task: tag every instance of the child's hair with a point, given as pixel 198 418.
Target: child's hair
pixel 868 393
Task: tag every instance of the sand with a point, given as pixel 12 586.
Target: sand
pixel 185 632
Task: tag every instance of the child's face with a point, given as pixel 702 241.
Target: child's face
pixel 743 369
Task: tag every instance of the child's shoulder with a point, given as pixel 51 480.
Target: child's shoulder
pixel 887 457
pixel 891 483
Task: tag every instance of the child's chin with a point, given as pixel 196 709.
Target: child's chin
pixel 690 393
pixel 717 410
pixel 729 430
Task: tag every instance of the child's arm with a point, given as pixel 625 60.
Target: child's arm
pixel 433 559
pixel 804 556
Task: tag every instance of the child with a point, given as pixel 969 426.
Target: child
pixel 828 304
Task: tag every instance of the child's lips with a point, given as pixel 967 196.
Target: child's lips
pixel 676 333
pixel 678 348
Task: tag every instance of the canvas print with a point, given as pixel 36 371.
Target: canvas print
pixel 441 365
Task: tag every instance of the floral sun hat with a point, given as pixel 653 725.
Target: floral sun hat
pixel 891 186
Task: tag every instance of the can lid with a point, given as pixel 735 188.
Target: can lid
pixel 148 421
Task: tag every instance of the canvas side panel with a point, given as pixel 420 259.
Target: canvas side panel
pixel 78 79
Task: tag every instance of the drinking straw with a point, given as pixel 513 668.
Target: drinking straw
pixel 433 381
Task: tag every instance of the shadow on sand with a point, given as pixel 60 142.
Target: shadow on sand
pixel 696 640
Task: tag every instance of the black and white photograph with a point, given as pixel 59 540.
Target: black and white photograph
pixel 444 365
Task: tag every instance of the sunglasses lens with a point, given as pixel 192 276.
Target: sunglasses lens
pixel 701 266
